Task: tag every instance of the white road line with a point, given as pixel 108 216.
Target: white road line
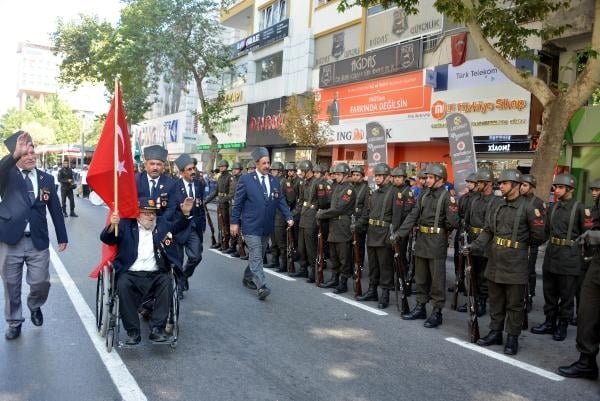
pixel 281 276
pixel 120 375
pixel 221 253
pixel 506 359
pixel 357 304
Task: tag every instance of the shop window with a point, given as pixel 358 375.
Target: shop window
pixel 322 3
pixel 364 155
pixel 234 78
pixel 269 67
pixel 273 14
pixel 349 155
pixel 303 154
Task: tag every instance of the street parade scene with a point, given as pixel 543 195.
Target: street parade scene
pixel 301 200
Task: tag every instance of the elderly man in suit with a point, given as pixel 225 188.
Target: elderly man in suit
pixel 257 197
pixel 153 183
pixel 26 194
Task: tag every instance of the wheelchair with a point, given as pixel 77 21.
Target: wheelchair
pixel 107 309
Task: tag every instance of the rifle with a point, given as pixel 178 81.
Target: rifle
pixel 320 255
pixel 212 228
pixel 242 244
pixel 411 260
pixel 357 261
pixel 460 274
pixel 224 246
pixel 291 268
pixel 400 274
pixel 472 305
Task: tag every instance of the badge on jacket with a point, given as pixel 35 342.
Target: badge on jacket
pixel 168 239
pixel 537 213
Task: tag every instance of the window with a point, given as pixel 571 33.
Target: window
pixel 269 67
pixel 272 14
pixel 234 78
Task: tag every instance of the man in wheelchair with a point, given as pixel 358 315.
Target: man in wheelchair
pixel 146 252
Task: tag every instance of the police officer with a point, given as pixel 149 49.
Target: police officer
pixel 278 237
pixel 436 214
pixel 528 191
pixel 380 254
pixel 221 192
pixel 511 227
pixel 340 235
pixel 236 173
pixel 563 260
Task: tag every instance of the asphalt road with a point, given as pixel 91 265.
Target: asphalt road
pixel 300 344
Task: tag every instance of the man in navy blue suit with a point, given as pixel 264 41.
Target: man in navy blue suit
pixel 188 186
pixel 26 193
pixel 257 197
pixel 153 183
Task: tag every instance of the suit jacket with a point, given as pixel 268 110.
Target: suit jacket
pixel 198 220
pixel 16 210
pixel 256 213
pixel 166 251
pixel 167 197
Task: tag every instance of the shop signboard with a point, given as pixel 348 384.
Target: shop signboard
pixel 261 39
pixel 376 147
pixel 503 144
pixel 338 45
pixel 264 123
pixel 462 149
pixel 229 136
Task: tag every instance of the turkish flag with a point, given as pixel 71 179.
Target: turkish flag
pixel 104 165
pixel 459 48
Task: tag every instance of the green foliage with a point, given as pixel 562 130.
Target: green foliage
pixel 216 113
pixel 300 123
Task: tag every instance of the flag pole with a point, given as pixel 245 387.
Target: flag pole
pixel 116 154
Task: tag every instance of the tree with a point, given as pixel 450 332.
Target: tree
pixel 300 122
pixel 500 34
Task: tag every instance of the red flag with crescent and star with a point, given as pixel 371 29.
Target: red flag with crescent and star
pixel 106 165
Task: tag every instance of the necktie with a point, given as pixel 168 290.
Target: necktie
pixel 264 186
pixel 153 189
pixel 191 191
pixel 29 186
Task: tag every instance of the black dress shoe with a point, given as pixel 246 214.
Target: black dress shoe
pixel 133 338
pixel 370 295
pixel 244 257
pixel 236 254
pixel 418 312
pixel 494 337
pixel 12 332
pixel 342 286
pixel 561 331
pixel 36 317
pixel 434 320
pixel 512 345
pixel 158 335
pixel 215 246
pixel 384 300
pixel 548 327
pixel 249 284
pixel 73 214
pixel 263 292
pixel 586 368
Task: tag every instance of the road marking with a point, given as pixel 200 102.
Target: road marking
pixel 357 304
pixel 280 275
pixel 221 253
pixel 506 359
pixel 120 375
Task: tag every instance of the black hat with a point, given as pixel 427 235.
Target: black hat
pixel 183 160
pixel 259 153
pixel 148 204
pixel 11 141
pixel 155 152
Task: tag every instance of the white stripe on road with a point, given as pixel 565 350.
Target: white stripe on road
pixel 506 359
pixel 121 377
pixel 221 253
pixel 280 275
pixel 357 304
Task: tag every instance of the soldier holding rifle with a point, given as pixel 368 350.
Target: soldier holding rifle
pixel 279 236
pixel 221 192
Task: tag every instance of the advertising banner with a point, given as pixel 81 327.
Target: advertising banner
pixel 337 45
pixel 264 121
pixel 260 39
pixel 462 150
pixel 231 135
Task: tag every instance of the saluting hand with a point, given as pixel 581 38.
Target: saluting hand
pixel 186 206
pixel 23 145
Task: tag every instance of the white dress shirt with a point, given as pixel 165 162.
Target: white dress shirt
pixel 267 182
pixel 145 261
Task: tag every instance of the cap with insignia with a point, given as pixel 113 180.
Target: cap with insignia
pixel 11 141
pixel 259 153
pixel 183 160
pixel 148 204
pixel 155 152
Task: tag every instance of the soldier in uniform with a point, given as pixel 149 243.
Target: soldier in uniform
pixel 295 182
pixel 527 190
pixel 563 261
pixel 324 191
pixel 236 173
pixel 221 192
pixel 463 206
pixel 380 210
pixel 361 189
pixel 307 207
pixel 436 214
pixel 340 236
pixel 588 335
pixel 511 227
pixel 404 201
pixel 278 237
pixel 250 167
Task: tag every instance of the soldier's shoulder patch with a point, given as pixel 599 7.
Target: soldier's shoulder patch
pixel 588 212
pixel 328 186
pixel 349 192
pixel 537 212
pixel 410 194
pixel 288 184
pixel 452 199
pixel 544 206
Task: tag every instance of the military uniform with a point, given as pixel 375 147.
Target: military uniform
pixel 307 234
pixel 279 235
pixel 539 204
pixel 404 201
pixel 361 191
pixel 233 182
pixel 222 194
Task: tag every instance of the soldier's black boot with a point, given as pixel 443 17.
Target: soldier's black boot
pixel 333 282
pixel 282 266
pixel 481 306
pixel 573 321
pixel 384 300
pixel 418 312
pixel 494 337
pixel 274 264
pixel 370 295
pixel 301 272
pixel 434 320
pixel 529 303
pixel 548 327
pixel 342 286
pixel 586 367
pixel 311 274
pixel 463 308
pixel 512 345
pixel 561 330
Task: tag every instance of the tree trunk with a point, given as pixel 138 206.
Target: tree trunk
pixel 555 120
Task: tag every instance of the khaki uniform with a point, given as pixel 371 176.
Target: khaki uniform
pixel 307 234
pixel 233 183
pixel 380 254
pixel 436 214
pixel 223 205
pixel 511 227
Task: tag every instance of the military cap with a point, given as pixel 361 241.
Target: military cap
pixel 290 166
pixel 471 178
pixel 155 152
pixel 250 164
pixel 319 169
pixel 398 172
pixel 223 163
pixel 305 165
pixel 530 179
pixel 148 204
pixel 343 168
pixel 277 166
pixel 236 165
pixel 485 174
pixel 259 153
pixel 183 160
pixel 595 184
pixel 437 169
pixel 11 141
pixel 510 175
pixel 381 168
pixel 358 169
pixel 565 179
pixel 422 174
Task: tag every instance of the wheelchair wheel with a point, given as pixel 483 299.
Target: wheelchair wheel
pixel 103 299
pixel 110 338
pixel 112 333
pixel 173 320
pixel 99 300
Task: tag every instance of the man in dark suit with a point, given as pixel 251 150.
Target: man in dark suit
pixel 190 240
pixel 333 109
pixel 26 193
pixel 153 183
pixel 146 252
pixel 257 197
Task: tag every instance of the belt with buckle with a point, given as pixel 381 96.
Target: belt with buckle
pixel 308 205
pixel 222 194
pixel 430 230
pixel 377 223
pixel 561 241
pixel 507 243
pixel 476 230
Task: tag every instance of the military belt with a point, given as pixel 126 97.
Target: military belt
pixel 430 230
pixel 476 230
pixel 561 241
pixel 378 223
pixel 308 205
pixel 507 243
pixel 222 194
